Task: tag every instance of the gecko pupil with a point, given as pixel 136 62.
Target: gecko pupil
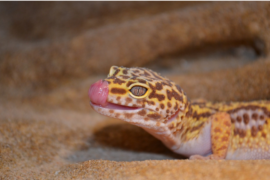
pixel 138 90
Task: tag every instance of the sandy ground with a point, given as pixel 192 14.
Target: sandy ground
pixel 215 51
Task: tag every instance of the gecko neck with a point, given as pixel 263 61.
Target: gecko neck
pixel 167 133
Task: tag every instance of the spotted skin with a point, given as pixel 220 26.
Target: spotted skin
pixel 199 130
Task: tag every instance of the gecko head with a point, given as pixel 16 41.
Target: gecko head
pixel 137 95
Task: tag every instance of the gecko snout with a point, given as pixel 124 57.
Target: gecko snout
pixel 98 92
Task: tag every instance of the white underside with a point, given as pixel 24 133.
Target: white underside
pixel 247 153
pixel 197 146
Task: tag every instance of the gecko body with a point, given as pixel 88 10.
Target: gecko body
pixel 198 130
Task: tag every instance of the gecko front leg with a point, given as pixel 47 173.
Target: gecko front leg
pixel 220 136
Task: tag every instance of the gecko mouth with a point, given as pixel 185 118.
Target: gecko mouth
pixel 172 118
pixel 113 106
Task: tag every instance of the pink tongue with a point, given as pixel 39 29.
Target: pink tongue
pixel 98 93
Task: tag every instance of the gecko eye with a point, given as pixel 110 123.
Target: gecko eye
pixel 138 90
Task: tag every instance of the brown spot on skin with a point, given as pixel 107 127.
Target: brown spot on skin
pixel 117 115
pixel 164 83
pixel 153 94
pixel 118 98
pixel 125 77
pixel 175 95
pixel 162 106
pixel 196 127
pixel 263 135
pixel 224 139
pixel 255 116
pixel 129 83
pixel 183 137
pixel 142 112
pixel 157 109
pixel 146 119
pixel 260 127
pixel 128 115
pixel 154 116
pixel 178 124
pixel 136 71
pixel 179 89
pixel 134 77
pixel 175 133
pixel 143 105
pixel 171 126
pixel 118 91
pixel 126 104
pixel 216 137
pixel 217 130
pixel 128 100
pixel 118 81
pixel 125 71
pixel 239 119
pixel 186 131
pixel 232 120
pixel 181 128
pixel 167 111
pixel 169 82
pixel 176 106
pixel 226 123
pixel 158 124
pixel 169 104
pixel 111 111
pixel 116 72
pixel 156 75
pixel 246 118
pixel 242 133
pixel 152 102
pixel 159 86
pixel 201 115
pixel 146 73
pixel 254 131
pixel 189 112
pixel 150 79
pixel 200 104
pixel 235 132
pixel 221 148
pixel 261 117
pixel 142 81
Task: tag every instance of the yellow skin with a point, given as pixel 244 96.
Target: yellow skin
pixel 199 130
